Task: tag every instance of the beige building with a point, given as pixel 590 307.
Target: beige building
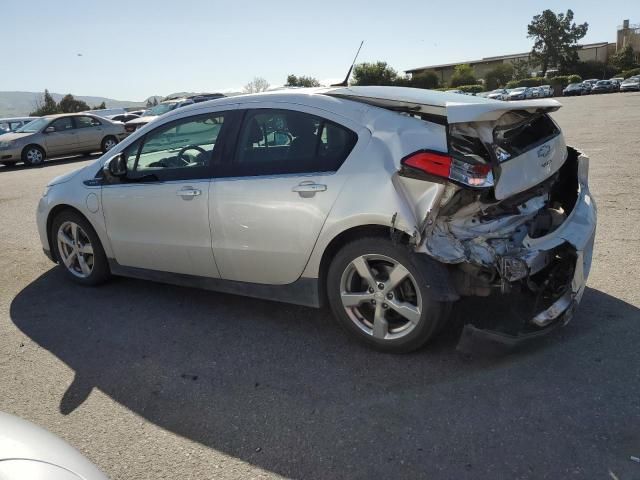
pixel 627 35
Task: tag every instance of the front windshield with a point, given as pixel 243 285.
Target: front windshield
pixel 34 126
pixel 519 89
pixel 160 109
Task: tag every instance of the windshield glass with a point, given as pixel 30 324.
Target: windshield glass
pixel 519 89
pixel 33 127
pixel 160 109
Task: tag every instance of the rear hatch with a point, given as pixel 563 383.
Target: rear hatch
pixel 517 140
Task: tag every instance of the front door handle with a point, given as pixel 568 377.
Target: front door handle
pixel 308 189
pixel 188 192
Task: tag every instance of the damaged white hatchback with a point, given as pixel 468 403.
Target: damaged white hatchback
pixel 388 203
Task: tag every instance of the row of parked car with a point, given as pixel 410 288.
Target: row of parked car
pixel 603 86
pixel 520 93
pixel 31 140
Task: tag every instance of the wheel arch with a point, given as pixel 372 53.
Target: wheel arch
pixel 54 212
pixel 41 147
pixel 344 237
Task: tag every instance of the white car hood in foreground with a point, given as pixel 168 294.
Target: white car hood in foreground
pixel 456 107
pixel 30 452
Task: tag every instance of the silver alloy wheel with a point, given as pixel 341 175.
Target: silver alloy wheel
pixel 76 251
pixel 109 143
pixel 34 155
pixel 381 296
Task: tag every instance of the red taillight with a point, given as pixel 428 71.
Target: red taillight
pixel 445 166
pixel 430 162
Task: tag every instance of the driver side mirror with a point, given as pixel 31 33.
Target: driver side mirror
pixel 49 129
pixel 115 168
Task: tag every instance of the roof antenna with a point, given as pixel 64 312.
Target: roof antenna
pixel 345 82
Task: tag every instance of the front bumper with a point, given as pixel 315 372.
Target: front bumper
pixel 576 234
pixel 13 154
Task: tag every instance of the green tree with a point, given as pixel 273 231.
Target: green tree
pixel 498 76
pixel 427 80
pixel 69 104
pixel 624 59
pixel 463 75
pixel 102 106
pixel 594 69
pixel 48 106
pixel 555 40
pixel 378 73
pixel 521 69
pixel 301 81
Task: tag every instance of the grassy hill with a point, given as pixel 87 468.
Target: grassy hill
pixel 17 104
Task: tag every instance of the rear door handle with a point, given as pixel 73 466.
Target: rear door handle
pixel 309 187
pixel 188 192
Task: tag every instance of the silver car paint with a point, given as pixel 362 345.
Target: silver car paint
pixel 30 452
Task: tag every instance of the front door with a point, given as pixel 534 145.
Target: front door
pixel 268 210
pixel 158 218
pixel 64 139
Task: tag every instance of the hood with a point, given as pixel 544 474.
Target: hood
pixel 455 107
pixel 24 441
pixel 65 178
pixel 9 137
pixel 141 120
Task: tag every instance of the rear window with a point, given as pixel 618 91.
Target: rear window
pixel 521 132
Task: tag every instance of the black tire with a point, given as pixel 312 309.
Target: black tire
pixel 100 267
pixel 105 141
pixel 30 155
pixel 433 314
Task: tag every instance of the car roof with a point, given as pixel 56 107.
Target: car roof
pixel 15 119
pixel 61 115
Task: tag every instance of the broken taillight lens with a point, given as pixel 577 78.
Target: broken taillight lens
pixel 442 165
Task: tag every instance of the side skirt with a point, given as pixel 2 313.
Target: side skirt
pixel 303 291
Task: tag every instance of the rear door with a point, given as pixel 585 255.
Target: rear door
pixel 90 132
pixel 270 202
pixel 63 139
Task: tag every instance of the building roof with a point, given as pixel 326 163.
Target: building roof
pixel 496 58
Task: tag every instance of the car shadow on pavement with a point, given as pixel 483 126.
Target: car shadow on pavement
pixel 281 386
pixel 50 163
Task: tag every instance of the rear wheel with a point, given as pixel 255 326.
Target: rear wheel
pixel 33 155
pixel 380 295
pixel 78 249
pixel 108 143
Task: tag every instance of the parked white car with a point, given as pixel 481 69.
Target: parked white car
pixel 521 93
pixel 8 125
pixel 499 94
pixel 389 203
pixel 29 452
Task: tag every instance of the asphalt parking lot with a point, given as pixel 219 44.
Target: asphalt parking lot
pixel 154 381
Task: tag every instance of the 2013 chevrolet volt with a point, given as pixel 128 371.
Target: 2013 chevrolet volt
pixel 388 203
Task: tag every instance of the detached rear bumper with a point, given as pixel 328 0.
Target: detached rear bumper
pixel 576 236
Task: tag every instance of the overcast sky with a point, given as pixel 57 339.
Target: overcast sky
pixel 129 50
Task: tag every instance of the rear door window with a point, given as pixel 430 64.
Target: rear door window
pixel 274 141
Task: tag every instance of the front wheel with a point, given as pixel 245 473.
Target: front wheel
pixel 381 296
pixel 78 250
pixel 33 155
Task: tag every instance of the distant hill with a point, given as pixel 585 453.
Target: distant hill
pixel 17 104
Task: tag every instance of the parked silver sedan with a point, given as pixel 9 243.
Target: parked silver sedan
pixel 54 135
pixel 388 203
